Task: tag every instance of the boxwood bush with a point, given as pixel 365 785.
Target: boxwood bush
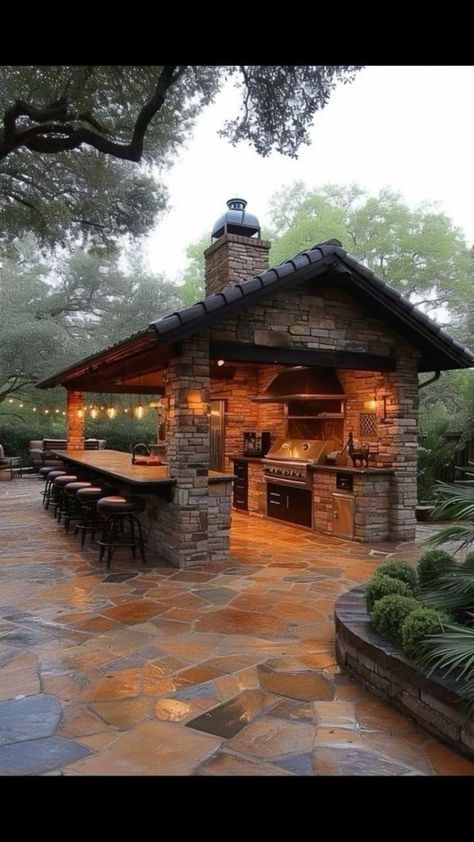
pixel 420 623
pixel 398 569
pixel 433 564
pixel 381 586
pixel 390 612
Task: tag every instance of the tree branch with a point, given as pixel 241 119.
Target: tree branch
pixel 43 137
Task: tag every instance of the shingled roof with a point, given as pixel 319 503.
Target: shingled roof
pixel 440 350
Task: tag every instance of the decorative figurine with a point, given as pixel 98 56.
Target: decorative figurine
pixel 359 454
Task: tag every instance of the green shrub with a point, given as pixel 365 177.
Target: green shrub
pixel 420 623
pixel 433 564
pixel 380 586
pixel 468 563
pixel 390 612
pixel 398 569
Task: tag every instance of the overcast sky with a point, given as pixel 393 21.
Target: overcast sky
pixel 408 128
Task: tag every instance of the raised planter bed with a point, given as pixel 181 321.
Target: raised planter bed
pixel 435 703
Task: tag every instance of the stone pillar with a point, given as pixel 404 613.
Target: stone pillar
pixel 75 421
pixel 187 392
pixel 233 258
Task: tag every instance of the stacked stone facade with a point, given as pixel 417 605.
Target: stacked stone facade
pixel 75 420
pixel 233 258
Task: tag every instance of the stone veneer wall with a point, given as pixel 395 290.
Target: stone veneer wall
pixel 233 258
pixel 256 488
pixel 434 703
pixel 330 319
pixel 75 421
pixel 371 495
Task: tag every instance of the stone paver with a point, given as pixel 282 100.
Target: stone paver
pixel 226 669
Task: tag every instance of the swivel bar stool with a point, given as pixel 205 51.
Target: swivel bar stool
pixel 120 513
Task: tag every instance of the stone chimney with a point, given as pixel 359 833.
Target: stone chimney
pixel 238 253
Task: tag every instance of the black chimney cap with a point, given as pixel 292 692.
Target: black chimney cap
pixel 236 221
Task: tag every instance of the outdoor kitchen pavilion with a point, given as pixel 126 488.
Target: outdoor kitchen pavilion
pixel 322 310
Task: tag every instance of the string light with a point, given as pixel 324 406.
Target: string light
pixel 111 412
pixel 94 412
pixel 139 412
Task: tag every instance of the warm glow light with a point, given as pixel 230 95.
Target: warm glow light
pixel 10 400
pixel 46 412
pixel 111 412
pixel 220 362
pixel 56 410
pixel 80 413
pixel 139 412
pixel 21 405
pixel 34 409
pixel 94 412
pixel 64 413
pixel 125 410
pixel 372 404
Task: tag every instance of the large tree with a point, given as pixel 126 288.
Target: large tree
pixel 72 135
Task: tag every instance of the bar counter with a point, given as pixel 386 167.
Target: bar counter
pixel 118 466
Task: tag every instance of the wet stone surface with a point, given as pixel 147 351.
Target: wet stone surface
pixel 225 669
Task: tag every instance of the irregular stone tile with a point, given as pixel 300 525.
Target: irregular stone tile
pixel 134 612
pixel 216 596
pixel 122 714
pixel 170 628
pixel 34 757
pixel 77 722
pixel 375 716
pixel 228 719
pixel 269 737
pixel 28 719
pixel 231 663
pixel 151 748
pixel 196 675
pixel 335 714
pixel 20 677
pixel 206 691
pixel 120 577
pixel 407 749
pixel 121 684
pixel 293 710
pixel 353 761
pixel 231 621
pixel 171 710
pixel 98 741
pixel 446 761
pixel 226 764
pixel 229 685
pixel 155 683
pixel 98 624
pixel 306 686
pixel 300 764
pixel 63 686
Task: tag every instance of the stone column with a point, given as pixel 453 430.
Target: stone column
pixel 75 421
pixel 187 392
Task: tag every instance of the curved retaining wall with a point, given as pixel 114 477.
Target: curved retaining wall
pixel 434 703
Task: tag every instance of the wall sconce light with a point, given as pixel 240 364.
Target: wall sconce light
pixel 220 362
pixel 372 403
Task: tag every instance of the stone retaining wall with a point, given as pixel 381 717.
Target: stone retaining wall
pixel 435 703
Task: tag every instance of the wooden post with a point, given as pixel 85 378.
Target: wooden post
pixel 75 421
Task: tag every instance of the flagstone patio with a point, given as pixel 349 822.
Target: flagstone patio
pixel 225 669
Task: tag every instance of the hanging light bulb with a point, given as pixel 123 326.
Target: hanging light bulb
pixel 34 409
pixel 94 412
pixel 46 412
pixel 80 413
pixel 57 410
pixel 10 400
pixel 64 413
pixel 111 412
pixel 139 412
pixel 21 406
pixel 125 410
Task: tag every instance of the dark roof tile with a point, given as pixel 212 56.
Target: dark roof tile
pixel 232 293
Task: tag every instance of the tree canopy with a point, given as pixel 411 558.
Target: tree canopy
pixel 72 136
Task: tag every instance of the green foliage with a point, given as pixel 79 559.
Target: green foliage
pixel 451 590
pixel 382 585
pixel 468 563
pixel 432 565
pixel 419 252
pixel 452 652
pixel 420 623
pixel 192 281
pixel 398 569
pixel 455 502
pixel 389 614
pixel 433 454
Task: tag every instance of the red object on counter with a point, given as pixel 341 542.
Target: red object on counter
pixel 147 460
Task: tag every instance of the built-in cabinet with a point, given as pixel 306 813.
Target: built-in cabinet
pixel 241 485
pixel 290 504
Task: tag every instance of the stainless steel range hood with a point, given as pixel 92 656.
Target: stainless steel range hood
pixel 303 383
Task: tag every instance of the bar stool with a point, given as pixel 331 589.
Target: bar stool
pixel 87 499
pixel 119 512
pixel 70 508
pixel 48 493
pixel 59 485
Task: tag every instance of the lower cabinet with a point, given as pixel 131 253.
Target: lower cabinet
pixel 241 485
pixel 289 504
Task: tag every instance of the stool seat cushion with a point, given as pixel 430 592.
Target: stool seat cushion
pixel 72 487
pixel 61 481
pixel 118 505
pixel 54 474
pixel 45 471
pixel 91 493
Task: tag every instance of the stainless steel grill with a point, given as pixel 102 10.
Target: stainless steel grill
pixel 288 460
